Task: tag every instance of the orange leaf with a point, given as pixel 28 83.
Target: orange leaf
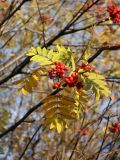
pixel 4 4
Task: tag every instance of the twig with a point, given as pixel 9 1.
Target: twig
pixel 14 11
pixel 104 138
pixel 30 142
pixel 13 127
pixel 42 20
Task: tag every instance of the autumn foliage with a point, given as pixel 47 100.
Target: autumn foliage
pixel 59 80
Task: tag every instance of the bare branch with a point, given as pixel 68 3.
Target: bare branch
pixel 12 13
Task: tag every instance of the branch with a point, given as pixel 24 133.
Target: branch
pixel 84 11
pixel 30 142
pixel 75 146
pixel 116 47
pixel 18 69
pixel 89 26
pixel 13 127
pixel 104 138
pixel 11 61
pixel 14 11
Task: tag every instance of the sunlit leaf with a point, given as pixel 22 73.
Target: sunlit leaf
pixel 73 63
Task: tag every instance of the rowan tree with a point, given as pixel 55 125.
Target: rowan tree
pixel 59 80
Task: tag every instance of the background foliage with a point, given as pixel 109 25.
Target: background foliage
pixel 73 32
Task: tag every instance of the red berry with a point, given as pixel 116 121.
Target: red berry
pixel 63 75
pixel 76 77
pixel 114 124
pixel 66 68
pixel 71 78
pixel 85 132
pixel 50 74
pixel 58 70
pixel 73 74
pixel 55 69
pixel 67 80
pixel 83 65
pixel 49 71
pixel 114 130
pixel 62 66
pixel 115 127
pixel 86 67
pixel 56 85
pixel 62 71
pixel 118 126
pixel 57 63
pixel 114 13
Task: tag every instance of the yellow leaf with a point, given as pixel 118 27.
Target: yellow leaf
pixel 38 58
pixel 34 80
pixel 31 52
pixel 28 87
pixel 52 126
pixel 35 77
pixel 58 125
pixel 39 50
pixel 66 126
pixel 46 62
pixel 24 92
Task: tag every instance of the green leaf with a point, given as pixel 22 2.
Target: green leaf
pixel 87 52
pixel 68 49
pixel 44 51
pixel 97 93
pixel 98 84
pixel 73 63
pixel 50 54
pixel 88 86
pixel 61 49
pixel 56 57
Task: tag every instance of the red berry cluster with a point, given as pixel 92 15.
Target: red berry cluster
pixel 60 73
pixel 72 80
pixel 87 67
pixel 115 128
pixel 59 70
pixel 114 13
pixel 85 132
